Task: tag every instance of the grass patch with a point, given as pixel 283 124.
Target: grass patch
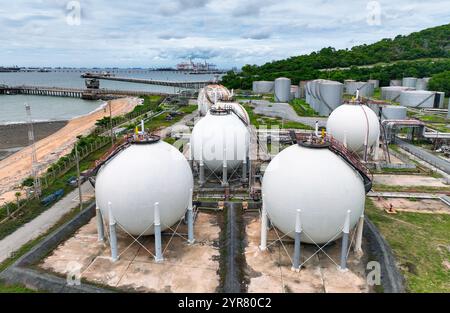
pixel 4 287
pixel 302 108
pixel 421 245
pixel 259 120
pixel 188 109
pixel 433 119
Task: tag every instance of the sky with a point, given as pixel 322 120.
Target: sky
pixel 118 33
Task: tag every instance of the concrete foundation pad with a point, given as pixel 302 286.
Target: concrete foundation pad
pixel 186 268
pixel 270 270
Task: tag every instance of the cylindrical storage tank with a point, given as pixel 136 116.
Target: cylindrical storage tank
pixel 409 82
pixel 302 87
pixel 282 89
pixel 374 82
pixel 318 105
pixel 417 99
pixel 216 132
pixel 422 84
pixel 263 87
pixel 237 108
pixel 366 89
pixel 393 112
pixel 439 99
pixel 392 93
pixel 448 111
pixel 299 178
pixel 350 86
pixel 352 124
pixel 395 82
pixel 330 94
pixel 295 92
pixel 139 176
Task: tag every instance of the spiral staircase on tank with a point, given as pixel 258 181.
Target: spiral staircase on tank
pixel 351 158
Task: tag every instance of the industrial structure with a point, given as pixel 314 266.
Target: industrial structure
pixel 142 187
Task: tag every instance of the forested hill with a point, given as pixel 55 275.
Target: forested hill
pixel 428 43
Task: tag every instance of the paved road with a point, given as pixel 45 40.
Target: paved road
pixel 43 222
pixel 425 155
pixel 285 111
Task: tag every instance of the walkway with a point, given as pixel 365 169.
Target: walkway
pixel 425 155
pixel 43 222
pixel 285 111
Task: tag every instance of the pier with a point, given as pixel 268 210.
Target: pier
pixel 180 84
pixel 88 94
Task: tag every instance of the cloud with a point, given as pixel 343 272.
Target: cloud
pixel 169 36
pixel 257 35
pixel 226 32
pixel 169 8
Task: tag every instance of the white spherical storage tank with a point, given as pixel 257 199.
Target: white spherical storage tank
pixel 282 89
pixel 352 124
pixel 319 183
pixel 207 96
pixel 237 108
pixel 139 176
pixel 215 133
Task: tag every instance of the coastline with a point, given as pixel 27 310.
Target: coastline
pixel 14 136
pixel 17 166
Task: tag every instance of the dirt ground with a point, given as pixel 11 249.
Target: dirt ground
pixel 408 205
pixel 408 180
pixel 15 168
pixel 270 271
pixel 185 268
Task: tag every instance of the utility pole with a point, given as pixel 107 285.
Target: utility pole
pixel 78 175
pixel 34 163
pixel 110 123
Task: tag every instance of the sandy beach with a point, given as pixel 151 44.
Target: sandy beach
pixel 16 167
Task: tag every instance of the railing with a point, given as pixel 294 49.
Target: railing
pixel 338 148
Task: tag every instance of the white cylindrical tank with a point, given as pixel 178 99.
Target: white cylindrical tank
pixel 350 86
pixel 374 82
pixel 320 184
pixel 295 92
pixel 439 99
pixel 330 95
pixel 366 89
pixel 263 87
pixel 216 132
pixel 409 82
pixel 282 89
pixel 351 124
pixel 422 84
pixel 392 93
pixel 393 112
pixel 417 98
pixel 395 82
pixel 138 177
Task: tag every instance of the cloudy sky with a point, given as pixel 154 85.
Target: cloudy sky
pixel 226 32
